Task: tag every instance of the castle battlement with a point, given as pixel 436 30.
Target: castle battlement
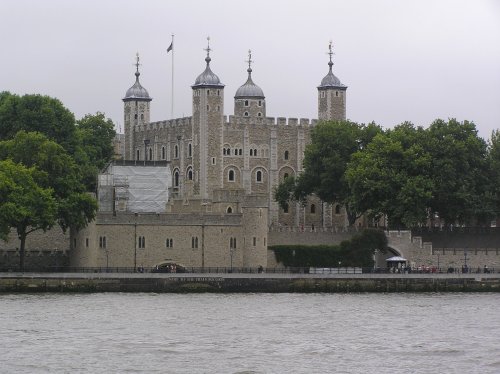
pixel 170 123
pixel 269 121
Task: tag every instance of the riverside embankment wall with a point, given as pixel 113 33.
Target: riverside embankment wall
pixel 192 283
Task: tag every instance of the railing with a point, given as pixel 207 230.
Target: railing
pixel 240 270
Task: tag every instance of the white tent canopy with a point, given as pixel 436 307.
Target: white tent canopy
pixel 396 259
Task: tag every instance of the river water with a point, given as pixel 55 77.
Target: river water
pixel 254 333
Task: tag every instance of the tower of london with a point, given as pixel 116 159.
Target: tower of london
pixel 247 151
pixel 199 190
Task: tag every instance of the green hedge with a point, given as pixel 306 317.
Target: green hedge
pixel 358 252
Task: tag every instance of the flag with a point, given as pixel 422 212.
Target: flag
pixel 171 47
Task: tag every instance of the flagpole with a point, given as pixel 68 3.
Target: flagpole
pixel 172 94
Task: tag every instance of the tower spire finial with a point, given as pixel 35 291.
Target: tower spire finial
pixel 330 52
pixel 137 66
pixel 249 61
pixel 208 59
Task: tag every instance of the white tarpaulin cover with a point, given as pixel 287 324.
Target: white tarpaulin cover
pixel 141 188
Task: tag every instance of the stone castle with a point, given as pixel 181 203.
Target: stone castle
pixel 221 175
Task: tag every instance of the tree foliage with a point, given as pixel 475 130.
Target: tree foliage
pixel 356 252
pixel 325 162
pixel 413 175
pixel 24 205
pixel 54 168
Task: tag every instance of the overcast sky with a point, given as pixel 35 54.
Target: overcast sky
pixel 414 60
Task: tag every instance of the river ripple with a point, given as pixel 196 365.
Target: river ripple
pixel 255 333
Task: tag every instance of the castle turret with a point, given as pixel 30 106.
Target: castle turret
pixel 136 110
pixel 249 100
pixel 208 109
pixel 331 95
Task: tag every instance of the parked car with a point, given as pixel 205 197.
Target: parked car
pixel 168 267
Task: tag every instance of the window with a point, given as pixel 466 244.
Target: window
pixel 135 116
pixel 223 151
pixel 142 116
pixel 213 161
pixel 255 152
pixel 336 93
pixel 260 102
pixel 218 92
pixel 163 154
pixel 169 243
pixel 194 242
pixel 337 209
pixel 246 102
pixel 102 242
pixel 141 242
pixel 230 175
pixel 285 208
pixel 208 92
pixel 245 114
pixel 259 114
pixel 251 152
pixel 322 94
pixel 254 241
pixel 87 242
pixel 285 176
pixel 240 151
pixel 176 151
pixel 229 210
pixel 190 150
pixel 176 178
pixel 313 209
pixel 190 174
pixel 232 243
pixel 137 155
pixel 258 176
pixel 150 153
pixel 286 155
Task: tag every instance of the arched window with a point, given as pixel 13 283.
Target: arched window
pixel 259 114
pixel 137 155
pixel 286 155
pixel 163 155
pixel 258 176
pixel 190 174
pixel 313 209
pixel 246 103
pixel 150 153
pixel 176 151
pixel 229 210
pixel 240 151
pixel 251 152
pixel 245 114
pixel 176 178
pixel 230 175
pixel 135 116
pixel 255 152
pixel 337 209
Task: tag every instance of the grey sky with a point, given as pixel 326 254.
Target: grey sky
pixel 403 60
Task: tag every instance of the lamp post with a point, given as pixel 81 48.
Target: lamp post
pixel 465 260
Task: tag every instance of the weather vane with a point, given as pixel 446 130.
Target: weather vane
pixel 137 61
pixel 249 60
pixel 208 46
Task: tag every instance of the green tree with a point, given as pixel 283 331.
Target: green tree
pixel 326 158
pixel 459 171
pixel 37 113
pixel 95 138
pixel 24 205
pixel 54 169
